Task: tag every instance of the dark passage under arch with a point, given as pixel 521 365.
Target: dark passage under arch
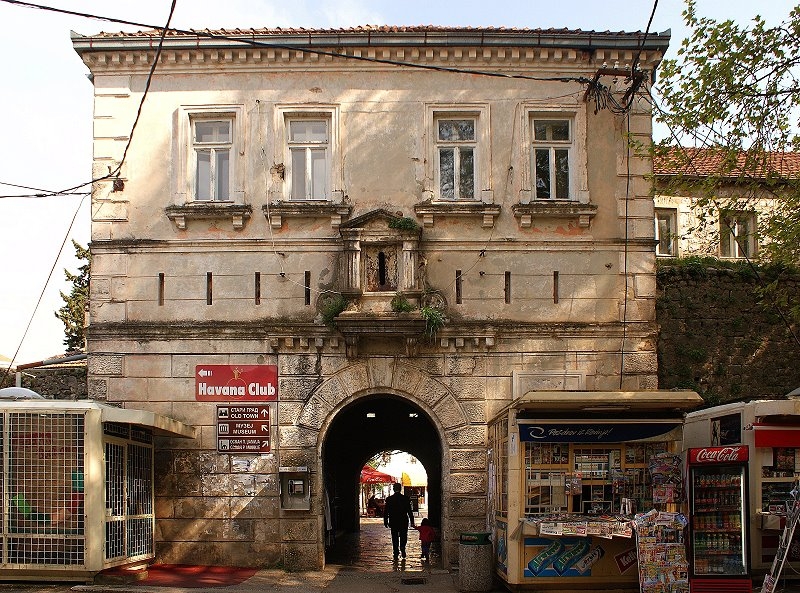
pixel 354 437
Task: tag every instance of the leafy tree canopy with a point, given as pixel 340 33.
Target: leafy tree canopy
pixel 733 90
pixel 73 312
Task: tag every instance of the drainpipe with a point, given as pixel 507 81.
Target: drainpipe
pixel 44 363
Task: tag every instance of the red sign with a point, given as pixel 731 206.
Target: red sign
pixel 733 454
pixel 239 382
pixel 626 559
pixel 243 429
pixel 777 435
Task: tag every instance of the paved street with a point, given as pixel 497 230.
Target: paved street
pixel 357 563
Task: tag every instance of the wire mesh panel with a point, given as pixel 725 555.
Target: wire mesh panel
pixel 129 496
pixel 43 488
pixel 140 500
pixel 115 500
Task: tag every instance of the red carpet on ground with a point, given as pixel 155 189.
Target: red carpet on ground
pixel 181 575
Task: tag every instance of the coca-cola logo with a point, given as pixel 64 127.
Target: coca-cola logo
pixel 719 454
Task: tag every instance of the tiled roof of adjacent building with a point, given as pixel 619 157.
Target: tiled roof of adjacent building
pixel 703 162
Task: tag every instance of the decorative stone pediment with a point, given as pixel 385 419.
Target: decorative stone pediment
pixel 380 258
pixel 380 278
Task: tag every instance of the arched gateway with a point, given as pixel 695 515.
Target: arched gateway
pixel 413 411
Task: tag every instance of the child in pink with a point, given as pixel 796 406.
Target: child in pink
pixel 426 535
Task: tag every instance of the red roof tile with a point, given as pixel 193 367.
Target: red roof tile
pixel 702 162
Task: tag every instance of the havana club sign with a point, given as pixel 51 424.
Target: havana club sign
pixel 733 454
pixel 238 382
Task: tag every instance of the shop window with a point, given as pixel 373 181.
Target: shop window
pixel 44 488
pixel 591 480
pixel 498 459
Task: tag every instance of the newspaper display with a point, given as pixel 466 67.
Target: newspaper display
pixel 661 550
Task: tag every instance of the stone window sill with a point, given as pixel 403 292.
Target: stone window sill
pixel 583 213
pixel 277 211
pixel 428 210
pixel 238 213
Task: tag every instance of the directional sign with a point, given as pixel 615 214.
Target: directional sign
pixel 243 429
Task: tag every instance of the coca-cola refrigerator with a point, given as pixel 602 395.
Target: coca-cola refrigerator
pixel 718 519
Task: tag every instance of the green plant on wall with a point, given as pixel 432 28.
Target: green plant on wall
pixel 434 320
pixel 401 304
pixel 331 309
pixel 405 223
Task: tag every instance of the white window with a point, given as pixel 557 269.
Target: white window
pixel 737 234
pixel 457 157
pixel 551 146
pixel 209 150
pixel 212 143
pixel 456 149
pixel 309 143
pixel 666 232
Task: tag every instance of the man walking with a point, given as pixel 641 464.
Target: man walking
pixel 396 516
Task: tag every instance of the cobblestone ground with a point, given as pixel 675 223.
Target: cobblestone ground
pixel 371 550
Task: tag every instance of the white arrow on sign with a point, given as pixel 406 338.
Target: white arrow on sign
pixel 205 373
pixel 265 412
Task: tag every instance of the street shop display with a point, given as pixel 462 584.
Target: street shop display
pixel 661 550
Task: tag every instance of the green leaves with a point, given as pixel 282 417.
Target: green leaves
pixel 73 313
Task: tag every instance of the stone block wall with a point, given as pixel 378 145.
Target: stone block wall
pixel 720 338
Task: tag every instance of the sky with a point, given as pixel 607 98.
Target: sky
pixel 47 99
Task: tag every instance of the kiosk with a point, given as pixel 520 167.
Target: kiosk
pixel 78 492
pixel 771 431
pixel 569 470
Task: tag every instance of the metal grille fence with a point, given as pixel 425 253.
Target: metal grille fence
pixel 129 497
pixel 43 463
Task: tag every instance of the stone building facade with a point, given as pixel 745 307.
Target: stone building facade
pixel 413 226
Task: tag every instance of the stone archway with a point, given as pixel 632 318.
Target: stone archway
pixel 462 436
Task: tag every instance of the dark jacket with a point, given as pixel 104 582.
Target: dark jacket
pixel 398 511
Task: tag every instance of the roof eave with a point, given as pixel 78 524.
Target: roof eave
pixel 586 41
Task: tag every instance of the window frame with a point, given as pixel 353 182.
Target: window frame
pixel 731 235
pixel 552 146
pixel 213 148
pixel 308 148
pixel 284 115
pixel 482 182
pixel 578 154
pixel 185 179
pixel 456 147
pixel 672 240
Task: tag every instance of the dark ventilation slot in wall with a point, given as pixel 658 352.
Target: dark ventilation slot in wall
pixel 458 287
pixel 507 288
pixel 257 286
pixel 307 287
pixel 555 287
pixel 209 289
pixel 161 289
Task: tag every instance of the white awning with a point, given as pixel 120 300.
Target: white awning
pixel 159 424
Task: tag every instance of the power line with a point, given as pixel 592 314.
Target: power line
pixel 41 294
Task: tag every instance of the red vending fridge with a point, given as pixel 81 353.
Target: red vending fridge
pixel 718 520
